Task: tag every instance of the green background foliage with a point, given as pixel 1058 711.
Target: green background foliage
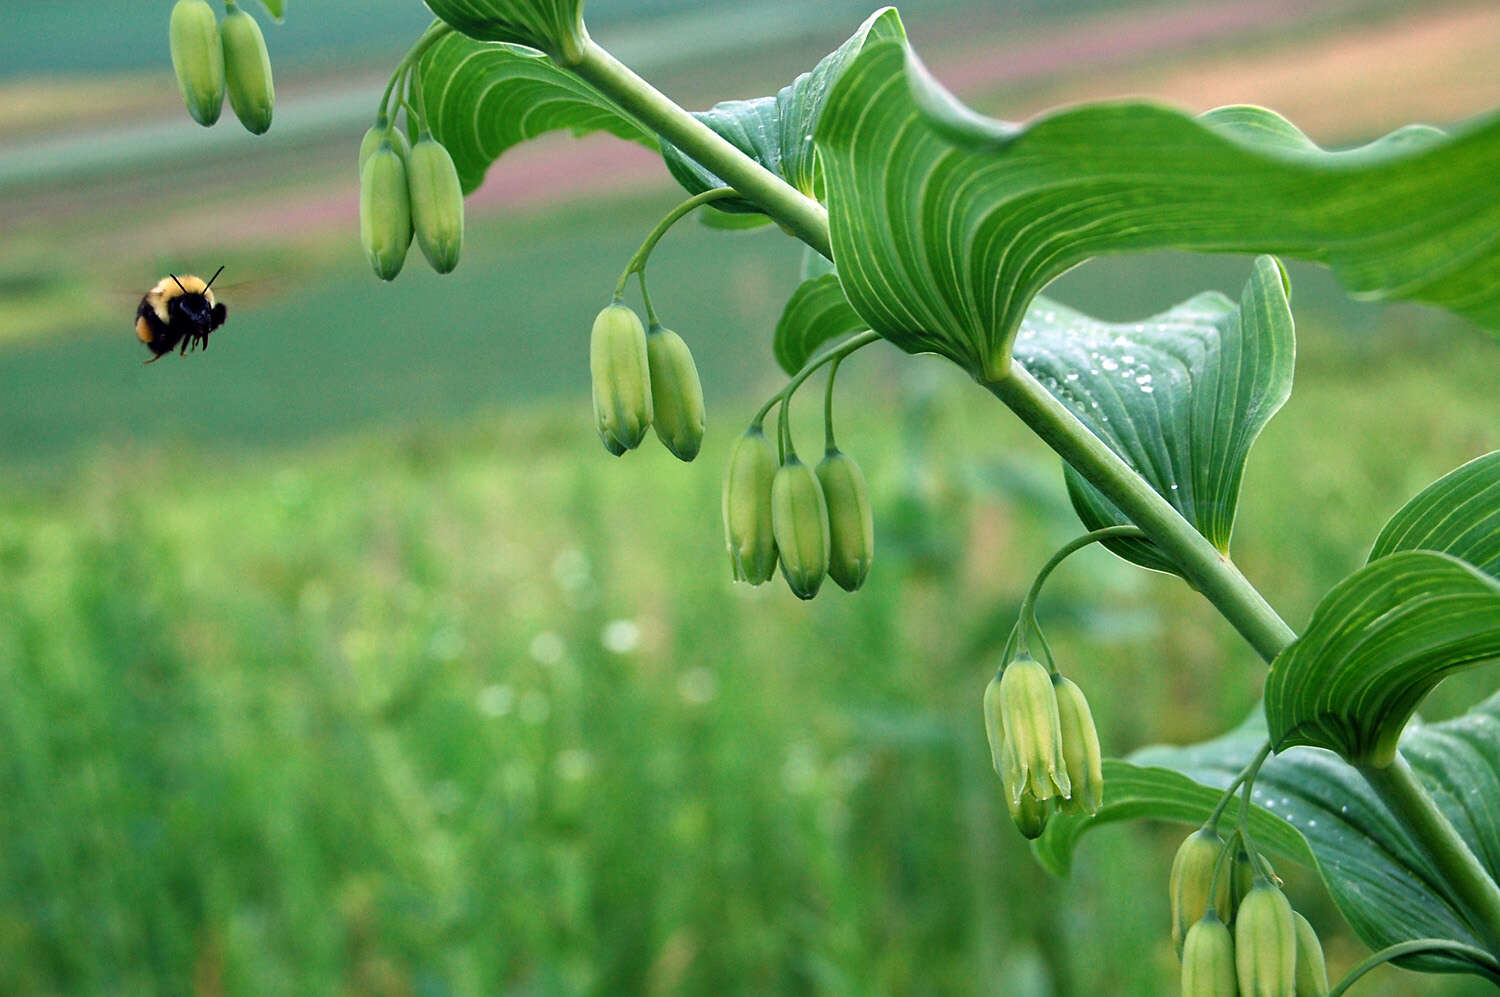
pixel 342 658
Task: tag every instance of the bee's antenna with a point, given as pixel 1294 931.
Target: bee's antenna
pixel 177 282
pixel 213 278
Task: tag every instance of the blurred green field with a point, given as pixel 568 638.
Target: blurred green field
pixel 473 708
pixel 341 659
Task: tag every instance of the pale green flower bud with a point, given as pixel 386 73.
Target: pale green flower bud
pixel 1312 971
pixel 1080 748
pixel 799 518
pixel 198 58
pixel 851 525
pixel 379 132
pixel 676 393
pixel 247 68
pixel 1208 955
pixel 622 379
pixel 1191 881
pixel 1028 706
pixel 384 211
pixel 994 725
pixel 437 203
pixel 748 531
pixel 1265 943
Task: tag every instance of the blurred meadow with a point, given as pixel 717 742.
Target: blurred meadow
pixel 344 660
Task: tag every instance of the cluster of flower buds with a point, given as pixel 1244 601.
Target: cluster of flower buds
pixel 1236 933
pixel 209 56
pixel 644 379
pixel 407 190
pixel 816 522
pixel 1043 744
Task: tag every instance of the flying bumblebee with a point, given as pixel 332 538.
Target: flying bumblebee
pixel 179 312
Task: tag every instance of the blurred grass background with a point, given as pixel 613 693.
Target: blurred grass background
pixel 345 661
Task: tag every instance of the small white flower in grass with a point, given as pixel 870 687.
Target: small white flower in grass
pixel 620 636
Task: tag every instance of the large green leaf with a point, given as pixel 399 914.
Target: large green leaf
pixel 484 97
pixel 1307 798
pixel 1181 396
pixel 816 313
pixel 1459 514
pixel 777 132
pixel 553 26
pixel 945 224
pixel 1426 605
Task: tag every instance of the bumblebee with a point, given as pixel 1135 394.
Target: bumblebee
pixel 179 312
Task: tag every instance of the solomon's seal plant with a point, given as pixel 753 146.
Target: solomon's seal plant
pixel 934 229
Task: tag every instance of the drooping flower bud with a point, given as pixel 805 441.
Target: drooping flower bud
pixel 1312 971
pixel 994 725
pixel 1243 874
pixel 1265 943
pixel 437 203
pixel 1029 708
pixel 799 519
pixel 622 379
pixel 1191 880
pixel 1030 814
pixel 247 68
pixel 384 211
pixel 380 131
pixel 1208 959
pixel 1080 749
pixel 748 531
pixel 198 58
pixel 851 525
pixel 676 393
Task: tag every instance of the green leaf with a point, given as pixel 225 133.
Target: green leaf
pixel 484 97
pixel 1181 396
pixel 1427 604
pixel 1458 514
pixel 553 26
pixel 777 132
pixel 945 224
pixel 816 313
pixel 1308 800
pixel 1377 644
pixel 276 8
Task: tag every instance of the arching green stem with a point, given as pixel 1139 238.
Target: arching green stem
pixel 838 352
pixel 1242 822
pixel 1469 883
pixel 637 262
pixel 799 214
pixel 1028 604
pixel 1416 946
pixel 829 443
pixel 435 31
pixel 651 320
